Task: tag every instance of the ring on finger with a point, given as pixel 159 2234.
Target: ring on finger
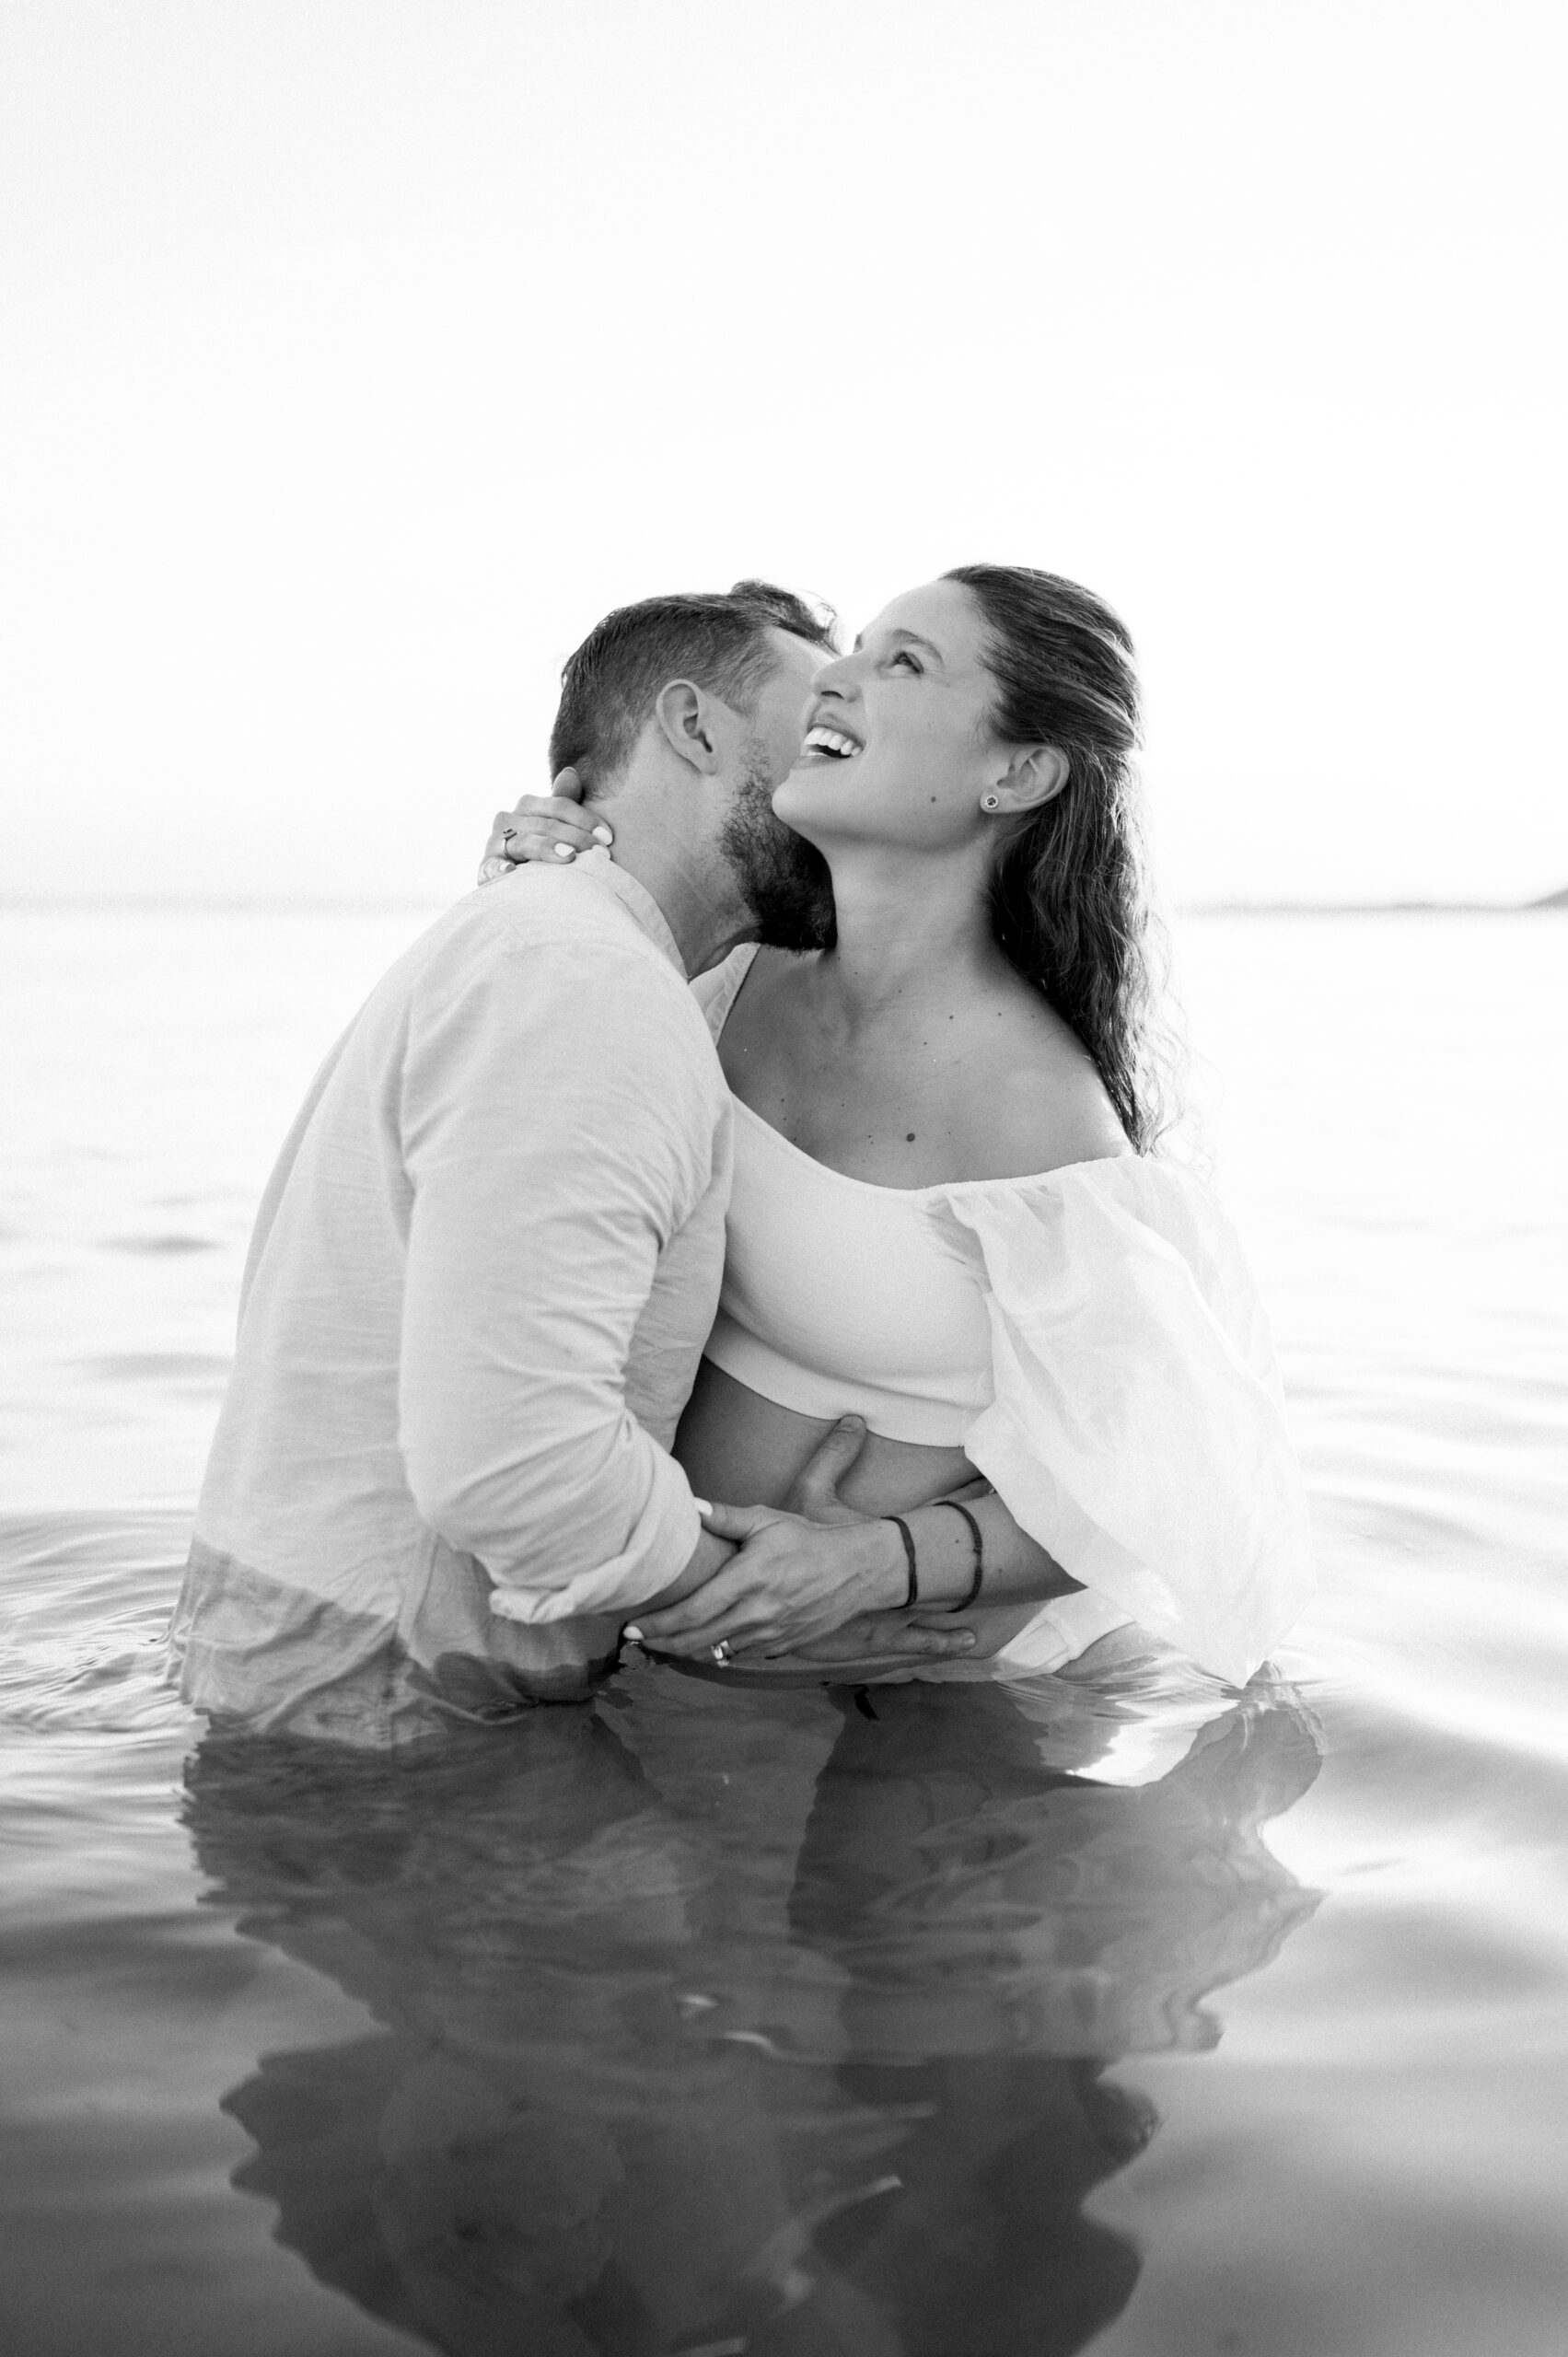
pixel 721 1652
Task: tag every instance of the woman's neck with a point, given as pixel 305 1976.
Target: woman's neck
pixel 912 927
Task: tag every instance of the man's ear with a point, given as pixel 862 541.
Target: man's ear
pixel 1033 776
pixel 686 717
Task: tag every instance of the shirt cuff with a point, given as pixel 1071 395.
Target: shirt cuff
pixel 661 1546
pixel 1063 1630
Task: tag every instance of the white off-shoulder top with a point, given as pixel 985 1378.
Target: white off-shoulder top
pixel 1090 1337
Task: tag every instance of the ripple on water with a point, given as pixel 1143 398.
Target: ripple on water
pixel 158 1247
pixel 204 1372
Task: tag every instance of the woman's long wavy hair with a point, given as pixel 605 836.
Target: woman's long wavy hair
pixel 1069 893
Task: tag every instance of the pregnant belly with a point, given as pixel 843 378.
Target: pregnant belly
pixel 745 1450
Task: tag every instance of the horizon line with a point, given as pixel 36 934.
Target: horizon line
pixel 277 904
pixel 1545 905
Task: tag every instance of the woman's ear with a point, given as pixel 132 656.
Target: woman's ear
pixel 1033 776
pixel 685 716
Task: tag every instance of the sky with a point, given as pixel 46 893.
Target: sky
pixel 356 355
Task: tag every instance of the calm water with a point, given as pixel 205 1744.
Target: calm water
pixel 1121 2013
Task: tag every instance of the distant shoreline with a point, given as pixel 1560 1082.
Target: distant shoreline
pixel 168 904
pixel 133 904
pixel 1555 903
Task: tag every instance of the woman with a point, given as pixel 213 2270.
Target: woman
pixel 947 1213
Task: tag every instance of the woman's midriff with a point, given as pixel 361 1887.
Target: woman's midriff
pixel 743 1450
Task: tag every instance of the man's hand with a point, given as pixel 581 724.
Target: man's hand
pixel 814 1492
pixel 792 1580
pixel 797 1588
pixel 818 1580
pixel 801 1575
pixel 877 1636
pixel 887 1636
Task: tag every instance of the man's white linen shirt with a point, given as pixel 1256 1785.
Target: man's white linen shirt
pixel 480 1281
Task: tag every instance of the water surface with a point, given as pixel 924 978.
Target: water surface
pixel 1124 2014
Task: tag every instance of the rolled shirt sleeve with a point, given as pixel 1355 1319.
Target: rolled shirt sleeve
pixel 558 1130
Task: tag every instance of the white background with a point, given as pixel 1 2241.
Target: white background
pixel 360 352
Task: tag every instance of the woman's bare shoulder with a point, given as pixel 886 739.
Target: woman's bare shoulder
pixel 1036 1100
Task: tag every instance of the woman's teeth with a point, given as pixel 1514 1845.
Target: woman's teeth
pixel 828 740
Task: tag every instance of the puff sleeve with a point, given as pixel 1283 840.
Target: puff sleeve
pixel 1136 1429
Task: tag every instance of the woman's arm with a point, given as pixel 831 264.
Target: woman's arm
pixel 1013 1567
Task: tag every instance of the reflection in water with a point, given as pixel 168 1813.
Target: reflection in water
pixel 720 2019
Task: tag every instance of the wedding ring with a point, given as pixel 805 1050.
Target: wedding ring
pixel 721 1652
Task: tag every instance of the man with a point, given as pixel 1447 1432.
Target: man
pixel 487 1262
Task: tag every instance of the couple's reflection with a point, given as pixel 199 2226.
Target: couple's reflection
pixel 730 2020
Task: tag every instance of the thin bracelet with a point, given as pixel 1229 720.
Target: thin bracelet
pixel 901 1526
pixel 976 1542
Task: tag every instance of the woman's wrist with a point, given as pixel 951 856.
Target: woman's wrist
pixel 942 1560
pixel 949 1554
pixel 883 1570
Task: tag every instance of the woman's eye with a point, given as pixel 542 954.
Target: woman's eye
pixel 903 656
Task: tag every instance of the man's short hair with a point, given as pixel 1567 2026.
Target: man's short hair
pixel 610 686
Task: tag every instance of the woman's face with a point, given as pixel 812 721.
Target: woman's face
pixel 899 745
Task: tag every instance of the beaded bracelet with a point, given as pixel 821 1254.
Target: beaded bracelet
pixel 976 1542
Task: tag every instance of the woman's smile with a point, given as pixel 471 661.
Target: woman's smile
pixel 828 744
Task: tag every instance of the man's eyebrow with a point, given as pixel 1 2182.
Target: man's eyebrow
pixel 911 636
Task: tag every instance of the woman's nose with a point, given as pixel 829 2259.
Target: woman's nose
pixel 835 678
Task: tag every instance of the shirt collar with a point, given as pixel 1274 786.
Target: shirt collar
pixel 640 905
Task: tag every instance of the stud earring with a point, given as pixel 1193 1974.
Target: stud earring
pixel 991 802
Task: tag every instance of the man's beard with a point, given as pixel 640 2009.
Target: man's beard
pixel 783 878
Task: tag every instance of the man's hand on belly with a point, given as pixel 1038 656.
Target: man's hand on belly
pixel 814 1492
pixel 816 1578
pixel 792 1584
